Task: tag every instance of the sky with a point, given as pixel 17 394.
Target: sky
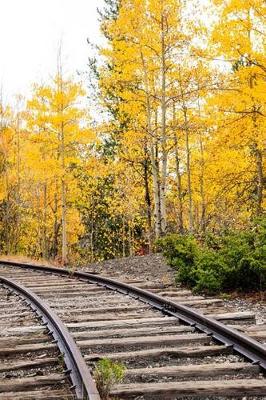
pixel 30 34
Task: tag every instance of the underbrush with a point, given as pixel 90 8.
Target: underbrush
pixel 234 260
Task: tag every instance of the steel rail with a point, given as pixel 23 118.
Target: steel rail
pixel 82 381
pixel 241 343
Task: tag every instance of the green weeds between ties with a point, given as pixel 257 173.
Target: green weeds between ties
pixel 234 260
pixel 107 374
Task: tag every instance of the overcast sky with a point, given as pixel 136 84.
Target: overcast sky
pixel 30 33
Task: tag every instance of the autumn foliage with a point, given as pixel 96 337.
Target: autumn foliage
pixel 177 146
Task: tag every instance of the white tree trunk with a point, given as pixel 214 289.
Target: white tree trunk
pixel 163 130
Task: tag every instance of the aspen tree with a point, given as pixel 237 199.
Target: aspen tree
pixel 239 37
pixel 60 125
pixel 146 40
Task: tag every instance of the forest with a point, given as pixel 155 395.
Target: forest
pixel 165 133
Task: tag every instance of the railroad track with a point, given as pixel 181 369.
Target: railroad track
pixel 39 358
pixel 170 349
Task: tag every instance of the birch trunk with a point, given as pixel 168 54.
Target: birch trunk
pixel 153 154
pixel 156 191
pixel 202 187
pixel 163 130
pixel 148 198
pixel 260 179
pixel 123 237
pixel 64 222
pixel 178 178
pixel 54 247
pixel 257 151
pixel 188 165
pixel 45 244
pixel 188 156
pixel 62 159
pixel 202 183
pixel 64 205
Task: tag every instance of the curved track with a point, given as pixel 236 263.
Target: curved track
pixel 171 350
pixel 57 334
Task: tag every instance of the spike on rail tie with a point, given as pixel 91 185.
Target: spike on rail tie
pixel 230 346
pixel 67 371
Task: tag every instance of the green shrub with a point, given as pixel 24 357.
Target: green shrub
pixel 207 282
pixel 107 374
pixel 244 256
pixel 234 260
pixel 212 241
pixel 181 253
pixel 208 272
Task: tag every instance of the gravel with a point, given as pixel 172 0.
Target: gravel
pixel 154 268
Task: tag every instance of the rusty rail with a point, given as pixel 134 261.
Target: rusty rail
pixel 76 367
pixel 241 343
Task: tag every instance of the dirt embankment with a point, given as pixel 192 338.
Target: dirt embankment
pixel 150 267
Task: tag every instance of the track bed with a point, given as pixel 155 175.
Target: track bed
pixel 30 365
pixel 165 357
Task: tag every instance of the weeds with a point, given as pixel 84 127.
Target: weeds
pixel 107 374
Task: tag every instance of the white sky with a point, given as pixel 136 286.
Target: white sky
pixel 30 33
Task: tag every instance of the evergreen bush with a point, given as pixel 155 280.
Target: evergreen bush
pixel 233 260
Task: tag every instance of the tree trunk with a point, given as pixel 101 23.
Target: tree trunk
pixel 156 191
pixel 202 188
pixel 92 242
pixel 148 198
pixel 188 165
pixel 45 242
pixel 178 177
pixel 123 237
pixel 64 232
pixel 62 157
pixel 202 171
pixel 16 232
pixel 163 131
pixel 258 152
pixel 188 160
pixel 54 245
pixel 260 179
pixel 153 154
